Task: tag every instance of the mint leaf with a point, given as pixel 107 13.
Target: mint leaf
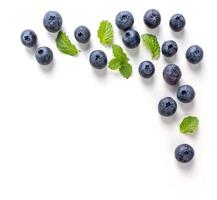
pixel 119 53
pixel 152 44
pixel 120 62
pixel 126 70
pixel 64 44
pixel 189 125
pixel 105 33
pixel 114 64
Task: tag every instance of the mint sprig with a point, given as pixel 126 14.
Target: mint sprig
pixel 105 33
pixel 64 44
pixel 120 62
pixel 189 125
pixel 152 44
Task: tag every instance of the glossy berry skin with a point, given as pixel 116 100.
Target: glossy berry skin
pixel 146 69
pixel 152 18
pixel 172 74
pixel 177 22
pixel 131 39
pixel 169 48
pixel 167 107
pixel 82 34
pixel 184 153
pixel 98 59
pixel 185 93
pixel 124 20
pixel 44 55
pixel 52 21
pixel 194 54
pixel 28 38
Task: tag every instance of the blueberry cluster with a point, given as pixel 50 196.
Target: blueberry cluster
pixel 124 20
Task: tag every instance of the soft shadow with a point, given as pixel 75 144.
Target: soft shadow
pixel 187 107
pixel 48 68
pixel 178 35
pixel 148 81
pixel 172 88
pixel 171 119
pixel 172 59
pixel 195 67
pixel 155 31
pixel 121 33
pixel 133 52
pixel 53 36
pixel 100 73
pixel 31 51
pixel 86 46
pixel 186 166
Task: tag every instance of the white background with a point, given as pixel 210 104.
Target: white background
pixel 72 132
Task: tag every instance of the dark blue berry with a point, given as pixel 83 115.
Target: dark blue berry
pixel 124 20
pixel 98 59
pixel 184 153
pixel 146 69
pixel 28 38
pixel 172 74
pixel 185 93
pixel 44 55
pixel 131 39
pixel 52 21
pixel 152 18
pixel 82 34
pixel 194 54
pixel 167 106
pixel 177 22
pixel 169 48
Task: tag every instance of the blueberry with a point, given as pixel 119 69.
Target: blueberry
pixel 131 39
pixel 177 22
pixel 194 54
pixel 98 59
pixel 28 38
pixel 184 153
pixel 185 93
pixel 124 20
pixel 172 74
pixel 82 34
pixel 169 48
pixel 167 106
pixel 152 18
pixel 146 69
pixel 44 55
pixel 52 21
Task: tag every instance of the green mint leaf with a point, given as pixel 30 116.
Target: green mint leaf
pixel 115 64
pixel 126 70
pixel 152 44
pixel 105 33
pixel 119 53
pixel 64 44
pixel 189 125
pixel 120 62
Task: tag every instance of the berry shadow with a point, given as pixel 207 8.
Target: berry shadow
pixel 85 47
pixel 195 67
pixel 179 35
pixel 187 167
pixel 170 120
pixel 148 81
pixel 48 68
pixel 154 31
pixel 100 73
pixel 133 52
pixel 187 107
pixel 172 59
pixel 31 51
